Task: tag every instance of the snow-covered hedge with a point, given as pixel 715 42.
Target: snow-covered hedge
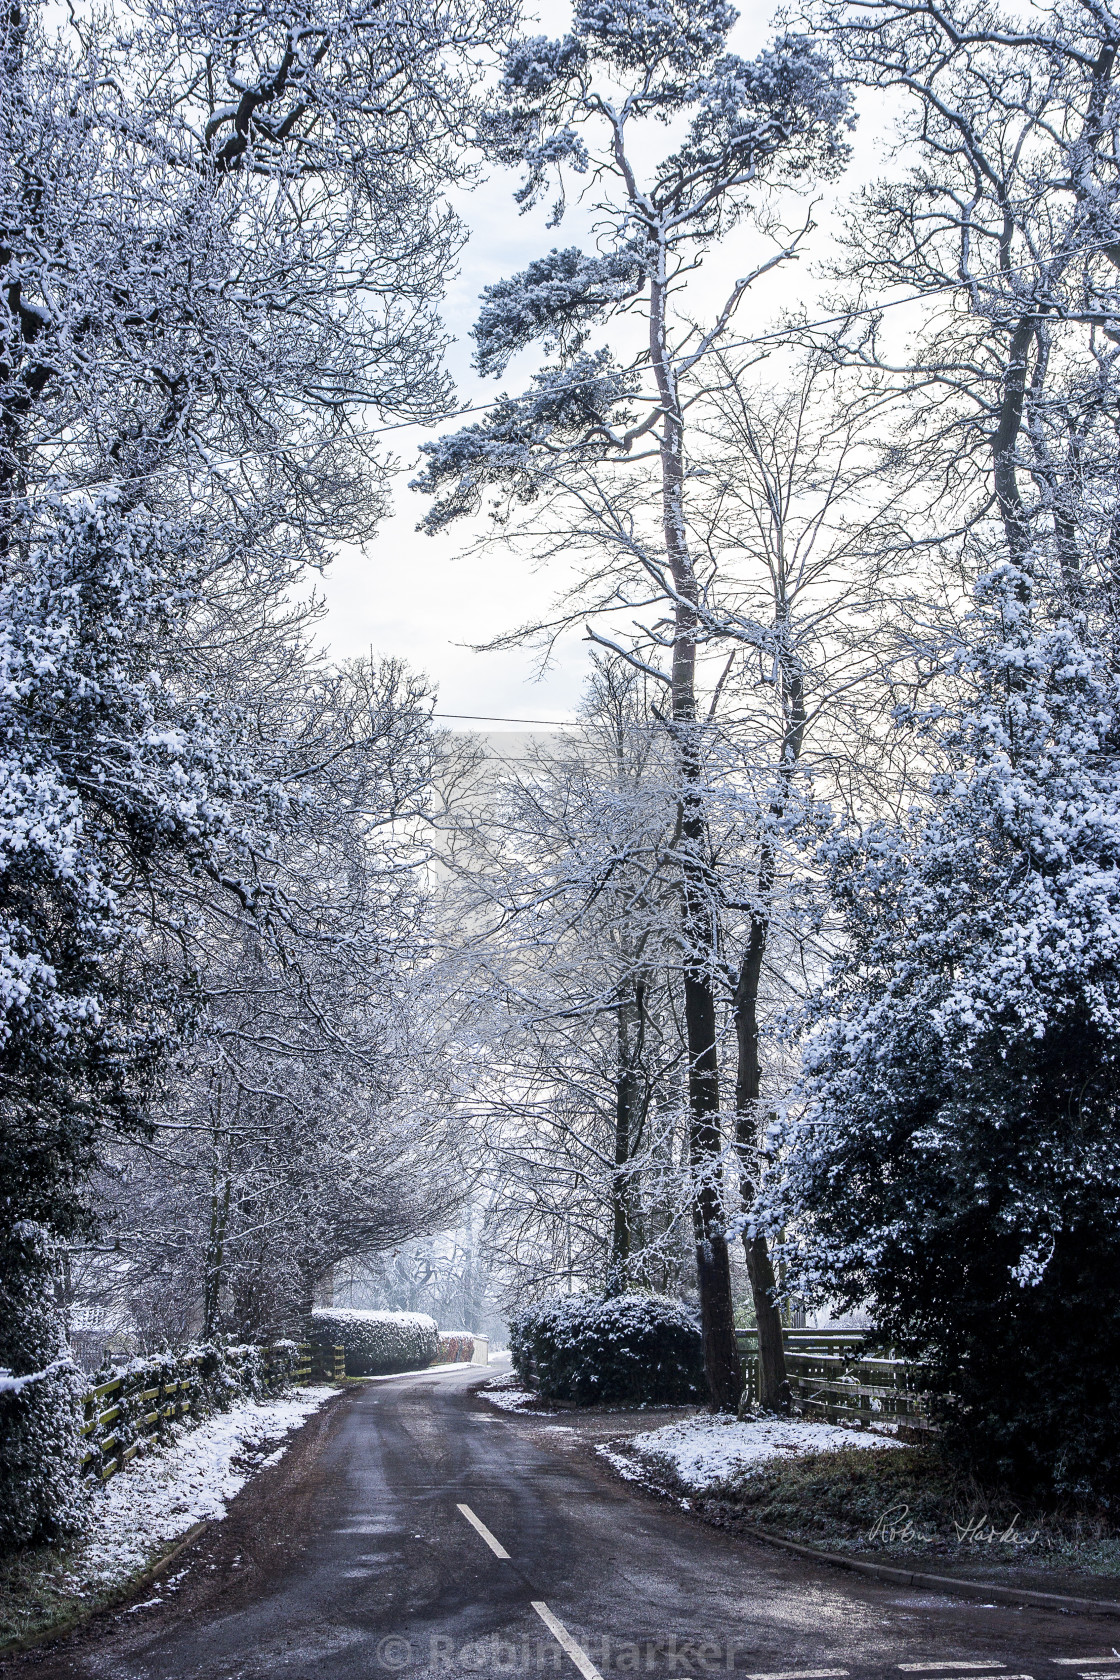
pixel 40 1416
pixel 629 1347
pixel 186 1386
pixel 51 1426
pixel 377 1343
pixel 455 1346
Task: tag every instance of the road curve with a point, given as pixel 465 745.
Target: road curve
pixel 375 1548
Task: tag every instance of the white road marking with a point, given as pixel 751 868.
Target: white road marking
pixel 564 1639
pixel 476 1522
pixel 802 1674
pixel 946 1667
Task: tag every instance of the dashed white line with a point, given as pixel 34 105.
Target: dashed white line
pixel 947 1667
pixel 564 1639
pixel 802 1674
pixel 476 1522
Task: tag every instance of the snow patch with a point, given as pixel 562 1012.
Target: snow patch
pixel 506 1393
pixel 143 1509
pixel 704 1451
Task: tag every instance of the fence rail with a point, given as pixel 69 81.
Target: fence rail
pixel 122 1416
pixel 830 1378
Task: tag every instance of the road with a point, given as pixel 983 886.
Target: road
pixel 373 1549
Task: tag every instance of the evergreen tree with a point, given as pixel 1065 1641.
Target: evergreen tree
pixel 958 1161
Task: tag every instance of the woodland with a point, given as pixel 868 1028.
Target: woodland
pixel 783 977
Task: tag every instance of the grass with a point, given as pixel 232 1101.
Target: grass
pixel 43 1594
pixel 39 1594
pixel 907 1502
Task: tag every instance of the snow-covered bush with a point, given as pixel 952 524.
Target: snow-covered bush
pixel 377 1343
pixel 40 1452
pixel 216 1378
pixel 628 1347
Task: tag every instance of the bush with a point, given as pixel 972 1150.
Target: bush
pixel 629 1347
pixel 377 1343
pixel 218 1376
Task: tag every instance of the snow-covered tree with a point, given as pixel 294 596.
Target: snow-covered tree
pixel 222 238
pixel 568 884
pixel 577 442
pixel 799 513
pixel 956 1162
pixel 309 1120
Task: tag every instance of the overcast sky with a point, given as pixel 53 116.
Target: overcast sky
pixel 415 596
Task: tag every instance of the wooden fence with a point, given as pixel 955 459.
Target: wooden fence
pixel 123 1415
pixel 830 1378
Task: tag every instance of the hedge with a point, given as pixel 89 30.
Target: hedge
pixel 628 1347
pixel 377 1343
pixel 40 1461
pixel 138 1401
pixel 54 1424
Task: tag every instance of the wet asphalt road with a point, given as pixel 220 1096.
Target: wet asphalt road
pixel 356 1563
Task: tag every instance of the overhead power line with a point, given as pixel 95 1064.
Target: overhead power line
pixel 487 717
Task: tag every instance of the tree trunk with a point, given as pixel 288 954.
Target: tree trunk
pixel 305 1304
pixel 214 1263
pixel 699 925
pixel 774 1395
pixel 618 1268
pixel 628 1127
pixel 722 1366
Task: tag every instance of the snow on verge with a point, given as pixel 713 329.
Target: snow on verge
pixel 507 1394
pixel 703 1451
pixel 140 1511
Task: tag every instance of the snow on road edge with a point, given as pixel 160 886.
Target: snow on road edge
pixel 703 1451
pixel 143 1509
pixel 506 1393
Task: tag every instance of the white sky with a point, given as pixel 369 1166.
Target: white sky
pixel 413 596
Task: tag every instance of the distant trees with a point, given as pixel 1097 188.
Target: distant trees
pixel 567 883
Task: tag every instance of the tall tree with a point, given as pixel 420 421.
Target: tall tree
pixel 748 127
pixel 803 520
pixel 567 884
pixel 220 236
pixel 961 1074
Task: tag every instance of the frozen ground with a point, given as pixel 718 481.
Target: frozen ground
pixel 703 1451
pixel 140 1511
